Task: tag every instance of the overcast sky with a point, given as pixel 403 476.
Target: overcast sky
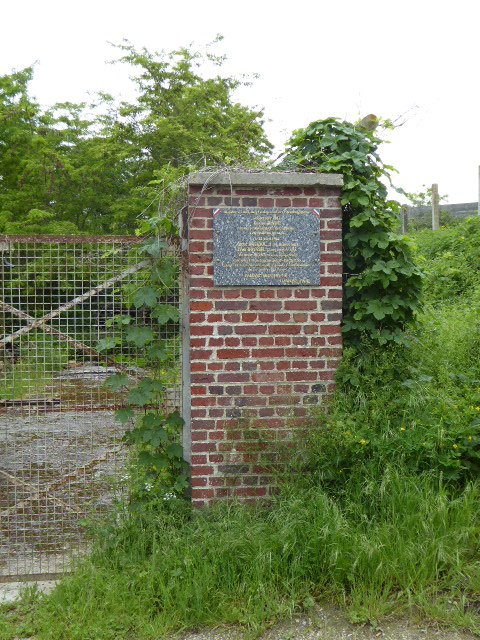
pixel 315 59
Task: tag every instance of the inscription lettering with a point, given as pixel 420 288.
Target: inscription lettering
pixel 254 246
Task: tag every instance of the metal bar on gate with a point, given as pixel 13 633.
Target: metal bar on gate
pixel 53 486
pixel 69 464
pixel 73 303
pixel 80 346
pixel 35 494
pixel 71 239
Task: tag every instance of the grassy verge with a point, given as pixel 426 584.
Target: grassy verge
pixel 390 543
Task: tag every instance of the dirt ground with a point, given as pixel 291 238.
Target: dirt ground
pixel 329 623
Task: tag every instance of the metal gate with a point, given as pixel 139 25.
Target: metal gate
pixel 61 454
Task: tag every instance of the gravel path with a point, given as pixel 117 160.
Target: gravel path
pixel 329 623
pixel 56 470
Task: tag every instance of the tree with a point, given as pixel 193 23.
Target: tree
pixel 39 156
pixel 179 121
pixel 19 119
pixel 100 166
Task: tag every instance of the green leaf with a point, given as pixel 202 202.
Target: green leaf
pixel 105 344
pixel 120 320
pixel 146 459
pixel 159 436
pixel 165 312
pixel 165 273
pixel 154 247
pixel 175 451
pixel 378 309
pixel 140 397
pixel 145 296
pixel 160 462
pixel 174 420
pixel 139 336
pixel 158 353
pixel 152 420
pixel 117 381
pixel 181 483
pixel 124 415
pixel 146 392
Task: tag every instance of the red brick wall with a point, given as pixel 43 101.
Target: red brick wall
pixel 260 357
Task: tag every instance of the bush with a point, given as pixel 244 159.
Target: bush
pixel 418 407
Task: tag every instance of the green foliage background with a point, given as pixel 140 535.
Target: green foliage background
pixel 105 167
pixel 99 168
pixel 417 405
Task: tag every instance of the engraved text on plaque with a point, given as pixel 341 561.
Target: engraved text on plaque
pixel 254 246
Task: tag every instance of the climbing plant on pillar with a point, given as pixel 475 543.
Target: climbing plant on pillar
pixel 382 282
pixel 149 337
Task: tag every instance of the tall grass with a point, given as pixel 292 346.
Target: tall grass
pixel 418 406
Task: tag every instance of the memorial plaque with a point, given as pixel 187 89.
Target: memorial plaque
pixel 254 246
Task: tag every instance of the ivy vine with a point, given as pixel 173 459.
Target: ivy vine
pixel 158 466
pixel 382 282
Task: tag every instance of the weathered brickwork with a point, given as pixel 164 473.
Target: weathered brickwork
pixel 260 357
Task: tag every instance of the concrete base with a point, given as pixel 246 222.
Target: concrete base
pixel 12 591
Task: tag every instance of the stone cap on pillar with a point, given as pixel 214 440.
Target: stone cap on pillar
pixel 265 178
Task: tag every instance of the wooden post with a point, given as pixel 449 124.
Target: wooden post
pixel 404 219
pixel 435 208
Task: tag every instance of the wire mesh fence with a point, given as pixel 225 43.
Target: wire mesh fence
pixel 61 450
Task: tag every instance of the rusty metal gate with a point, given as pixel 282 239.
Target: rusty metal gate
pixel 62 460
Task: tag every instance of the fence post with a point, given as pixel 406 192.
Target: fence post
pixel 185 337
pixel 435 208
pixel 404 219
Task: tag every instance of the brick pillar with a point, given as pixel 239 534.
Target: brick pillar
pixel 260 356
